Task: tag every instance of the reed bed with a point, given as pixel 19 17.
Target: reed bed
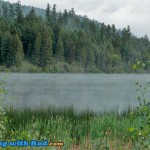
pixel 77 129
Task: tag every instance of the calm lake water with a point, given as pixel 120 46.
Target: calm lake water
pixel 98 92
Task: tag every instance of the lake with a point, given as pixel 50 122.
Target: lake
pixel 98 92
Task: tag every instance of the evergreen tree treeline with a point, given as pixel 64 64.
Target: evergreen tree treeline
pixel 67 37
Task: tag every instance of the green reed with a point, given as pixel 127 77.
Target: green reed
pixel 69 126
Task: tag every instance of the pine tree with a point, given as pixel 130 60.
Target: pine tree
pixel 54 14
pixel 11 52
pixel 5 10
pixel 72 13
pixel 18 7
pixel 3 25
pixel 15 52
pixel 126 35
pixel 71 51
pixel 108 31
pixel 19 13
pixel 81 55
pixel 0 46
pixel 5 47
pixel 48 13
pixel 60 18
pixel 56 32
pixel 26 39
pixel 66 44
pixel 46 48
pixel 31 16
pixel 69 42
pixel 19 50
pixel 0 12
pixel 90 59
pixel 11 11
pixel 59 50
pixel 29 51
pixel 37 50
pixel 29 34
pixel 65 16
pixel 113 30
pixel 82 47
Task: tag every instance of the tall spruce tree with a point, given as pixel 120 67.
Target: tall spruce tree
pixel 15 54
pixel 65 16
pixel 31 16
pixel 19 50
pixel 19 13
pixel 11 11
pixel 1 35
pixel 82 47
pixel 48 13
pixel 54 14
pixel 5 10
pixel 37 50
pixel 11 53
pixel 72 13
pixel 5 47
pixel 59 49
pixel 46 48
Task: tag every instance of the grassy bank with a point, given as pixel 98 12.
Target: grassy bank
pixel 55 67
pixel 85 130
pixel 61 67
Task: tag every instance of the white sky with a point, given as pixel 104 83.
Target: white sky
pixel 135 13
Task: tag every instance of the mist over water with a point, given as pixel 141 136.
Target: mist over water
pixel 97 92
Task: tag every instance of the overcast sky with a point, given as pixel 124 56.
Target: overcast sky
pixel 135 13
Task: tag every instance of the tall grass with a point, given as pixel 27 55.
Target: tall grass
pixel 85 129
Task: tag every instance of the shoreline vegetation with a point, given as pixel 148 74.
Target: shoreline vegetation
pixel 73 129
pixel 79 131
pixel 60 67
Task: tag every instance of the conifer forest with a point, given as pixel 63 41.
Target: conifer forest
pixel 54 41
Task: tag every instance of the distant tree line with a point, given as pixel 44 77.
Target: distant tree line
pixel 67 37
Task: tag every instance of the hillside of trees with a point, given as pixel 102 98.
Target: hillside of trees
pixel 65 42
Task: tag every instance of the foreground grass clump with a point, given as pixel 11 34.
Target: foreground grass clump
pixel 84 130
